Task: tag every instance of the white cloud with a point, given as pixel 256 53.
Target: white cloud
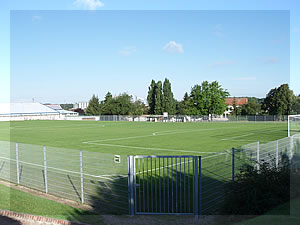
pixel 172 46
pixel 89 4
pixel 127 51
pixel 223 63
pixel 244 78
pixel 273 60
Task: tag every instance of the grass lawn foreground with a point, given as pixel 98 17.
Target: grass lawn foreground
pixel 19 201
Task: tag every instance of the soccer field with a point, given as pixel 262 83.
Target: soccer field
pixel 142 138
pixel 105 180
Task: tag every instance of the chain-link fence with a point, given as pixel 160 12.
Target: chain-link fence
pixel 94 178
pixel 101 180
pixel 219 169
pixel 190 118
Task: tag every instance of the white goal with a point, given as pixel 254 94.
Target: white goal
pixel 293 125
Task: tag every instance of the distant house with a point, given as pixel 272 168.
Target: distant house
pixel 230 102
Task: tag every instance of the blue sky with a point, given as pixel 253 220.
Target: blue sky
pixel 75 49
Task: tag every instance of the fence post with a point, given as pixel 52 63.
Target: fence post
pixel 45 171
pixel 292 148
pixel 257 156
pixel 196 197
pixel 277 153
pixel 289 133
pixel 131 185
pixel 233 164
pixel 17 161
pixel 81 177
pixel 200 186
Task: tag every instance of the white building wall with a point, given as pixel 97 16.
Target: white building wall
pixel 83 105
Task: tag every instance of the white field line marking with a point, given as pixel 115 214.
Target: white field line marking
pixel 48 167
pixel 156 168
pixel 151 135
pixel 245 135
pixel 222 153
pixel 135 147
pixel 73 126
pixel 244 140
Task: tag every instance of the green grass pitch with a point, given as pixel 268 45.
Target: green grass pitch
pixel 141 138
pixel 121 138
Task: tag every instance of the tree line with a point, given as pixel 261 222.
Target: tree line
pixel 207 98
pixel 278 101
pixel 119 105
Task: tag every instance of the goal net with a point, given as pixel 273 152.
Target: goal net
pixel 293 125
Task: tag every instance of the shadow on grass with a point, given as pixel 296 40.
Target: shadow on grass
pixel 169 190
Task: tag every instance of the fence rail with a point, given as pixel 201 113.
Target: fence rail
pixel 191 118
pixel 86 177
pixel 97 179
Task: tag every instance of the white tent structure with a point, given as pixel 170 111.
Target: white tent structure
pixel 27 111
pixel 61 111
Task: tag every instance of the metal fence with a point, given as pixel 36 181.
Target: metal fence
pixel 113 185
pixel 218 169
pixel 191 118
pixel 164 184
pixel 93 178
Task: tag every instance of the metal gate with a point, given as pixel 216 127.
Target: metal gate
pixel 164 185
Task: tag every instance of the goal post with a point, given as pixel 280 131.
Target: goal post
pixel 293 125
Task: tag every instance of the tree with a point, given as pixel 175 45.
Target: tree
pixel 151 96
pixel 279 101
pixel 296 105
pixel 236 109
pixel 253 107
pixel 108 97
pixel 168 102
pixel 119 105
pixel 179 109
pixel 93 107
pixel 138 108
pixel 196 101
pixel 207 99
pixel 158 109
pixel 217 99
pixel 124 105
pixel 186 102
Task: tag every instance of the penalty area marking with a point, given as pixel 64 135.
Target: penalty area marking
pixel 229 139
pixel 146 148
pixel 157 133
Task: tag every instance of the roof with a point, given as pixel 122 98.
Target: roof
pixel 237 101
pixel 25 108
pixel 54 106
